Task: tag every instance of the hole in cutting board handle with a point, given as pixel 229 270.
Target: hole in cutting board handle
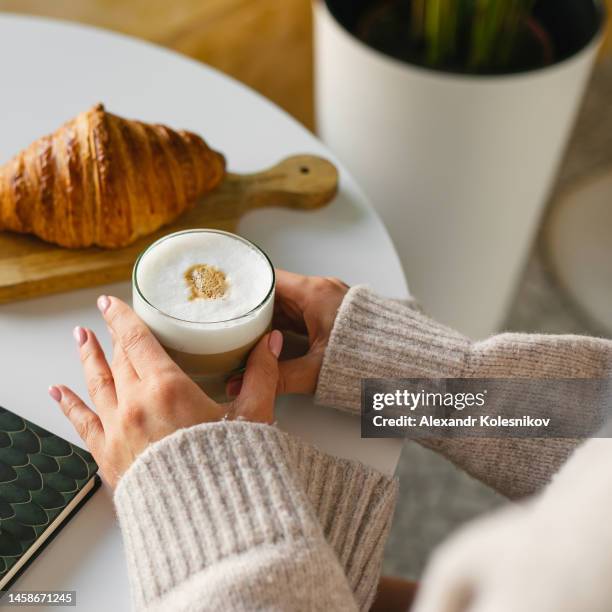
pixel 304 169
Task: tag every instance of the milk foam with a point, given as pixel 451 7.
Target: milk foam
pixel 202 325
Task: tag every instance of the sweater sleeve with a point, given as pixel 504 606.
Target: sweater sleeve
pixel 374 337
pixel 234 516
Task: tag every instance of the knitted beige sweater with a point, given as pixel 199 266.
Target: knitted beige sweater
pixel 240 516
pixel 374 337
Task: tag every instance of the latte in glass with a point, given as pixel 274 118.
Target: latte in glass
pixel 208 296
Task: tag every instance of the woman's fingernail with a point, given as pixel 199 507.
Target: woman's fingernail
pixel 103 303
pixel 80 335
pixel 55 393
pixel 276 342
pixel 233 387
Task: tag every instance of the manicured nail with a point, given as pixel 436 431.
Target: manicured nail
pixel 80 335
pixel 233 387
pixel 55 393
pixel 276 343
pixel 103 303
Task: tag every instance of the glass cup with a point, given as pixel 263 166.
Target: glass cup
pixel 212 351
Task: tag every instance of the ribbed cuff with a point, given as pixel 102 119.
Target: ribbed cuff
pixel 354 505
pixel 202 495
pixel 213 491
pixel 374 337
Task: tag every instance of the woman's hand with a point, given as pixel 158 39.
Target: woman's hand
pixel 305 305
pixel 143 396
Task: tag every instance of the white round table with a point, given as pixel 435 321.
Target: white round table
pixel 52 71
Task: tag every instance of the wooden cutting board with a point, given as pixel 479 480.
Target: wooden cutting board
pixel 31 268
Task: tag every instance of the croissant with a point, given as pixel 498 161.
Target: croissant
pixel 106 181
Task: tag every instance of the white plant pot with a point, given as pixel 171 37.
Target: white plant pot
pixel 458 166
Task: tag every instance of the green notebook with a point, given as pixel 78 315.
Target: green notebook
pixel 44 480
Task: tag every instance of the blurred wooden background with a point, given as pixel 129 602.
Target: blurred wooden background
pixel 266 44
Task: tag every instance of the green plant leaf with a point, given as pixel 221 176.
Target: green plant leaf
pixel 480 35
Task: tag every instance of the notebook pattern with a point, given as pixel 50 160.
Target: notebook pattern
pixel 40 473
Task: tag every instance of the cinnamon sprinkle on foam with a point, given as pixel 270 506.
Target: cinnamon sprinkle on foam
pixel 205 282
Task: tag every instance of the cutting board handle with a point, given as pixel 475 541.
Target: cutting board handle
pixel 300 182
